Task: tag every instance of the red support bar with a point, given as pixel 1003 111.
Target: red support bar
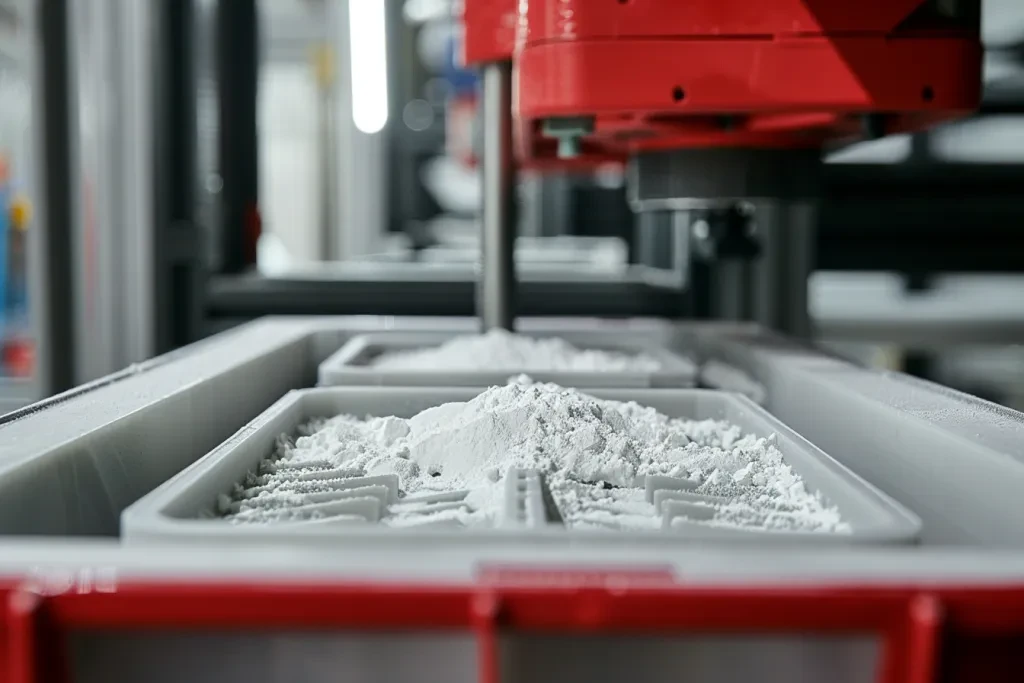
pixel 486 608
pixel 5 592
pixel 23 660
pixel 700 610
pixel 914 624
pixel 924 639
pixel 986 610
pixel 265 606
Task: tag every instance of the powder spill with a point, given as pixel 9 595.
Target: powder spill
pixel 503 350
pixel 593 455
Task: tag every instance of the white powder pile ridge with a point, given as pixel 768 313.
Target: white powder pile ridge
pixel 593 454
pixel 503 350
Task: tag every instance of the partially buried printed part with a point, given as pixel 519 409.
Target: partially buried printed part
pixel 602 463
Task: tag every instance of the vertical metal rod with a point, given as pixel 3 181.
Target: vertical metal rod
pixel 787 232
pixel 680 275
pixel 237 47
pixel 770 266
pixel 496 290
pixel 177 290
pixel 801 227
pixel 324 67
pixel 731 290
pixel 56 235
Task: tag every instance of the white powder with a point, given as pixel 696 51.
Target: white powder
pixel 593 454
pixel 502 350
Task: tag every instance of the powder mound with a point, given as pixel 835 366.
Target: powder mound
pixel 502 350
pixel 593 455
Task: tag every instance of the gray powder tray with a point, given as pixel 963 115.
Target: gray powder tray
pixel 350 365
pixel 349 508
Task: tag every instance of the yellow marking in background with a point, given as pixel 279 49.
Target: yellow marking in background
pixel 323 65
pixel 21 213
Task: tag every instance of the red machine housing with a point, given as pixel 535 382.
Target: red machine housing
pixel 663 74
pixel 489 30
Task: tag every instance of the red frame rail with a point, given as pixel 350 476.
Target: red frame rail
pixel 933 633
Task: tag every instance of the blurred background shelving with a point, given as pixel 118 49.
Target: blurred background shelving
pixel 918 254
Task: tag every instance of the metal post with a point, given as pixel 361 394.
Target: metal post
pixel 327 137
pixel 556 211
pixel 177 241
pixel 55 234
pixel 663 248
pixel 801 224
pixel 136 316
pixel 768 302
pixel 786 231
pixel 732 295
pixel 496 292
pixel 237 81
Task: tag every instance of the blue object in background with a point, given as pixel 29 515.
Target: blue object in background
pixel 5 237
pixel 463 81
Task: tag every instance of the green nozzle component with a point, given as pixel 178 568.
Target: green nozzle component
pixel 568 147
pixel 568 132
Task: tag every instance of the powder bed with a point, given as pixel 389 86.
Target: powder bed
pixel 529 458
pixel 584 360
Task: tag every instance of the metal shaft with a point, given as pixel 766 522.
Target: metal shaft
pixel 730 290
pixel 787 232
pixel 496 292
